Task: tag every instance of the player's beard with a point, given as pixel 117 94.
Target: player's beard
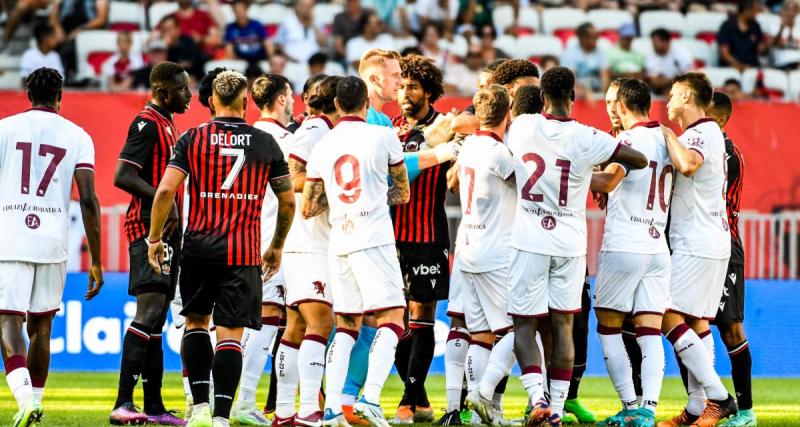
pixel 412 112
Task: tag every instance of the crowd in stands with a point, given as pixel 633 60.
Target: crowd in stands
pixel 753 47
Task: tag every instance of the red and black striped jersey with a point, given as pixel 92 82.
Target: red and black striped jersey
pixel 733 197
pixel 423 218
pixel 229 164
pixel 151 138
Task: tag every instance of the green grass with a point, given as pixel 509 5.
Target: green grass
pixel 85 399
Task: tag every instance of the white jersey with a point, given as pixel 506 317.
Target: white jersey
pixel 269 209
pixel 699 224
pixel 353 160
pixel 636 215
pixel 313 234
pixel 39 154
pixel 487 203
pixel 555 157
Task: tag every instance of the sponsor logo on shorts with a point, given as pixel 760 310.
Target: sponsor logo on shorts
pixel 426 270
pixel 549 222
pixel 319 287
pixel 32 221
pixel 281 291
pixel 654 232
pixel 731 276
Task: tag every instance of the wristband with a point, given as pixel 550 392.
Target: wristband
pixel 444 153
pixel 152 242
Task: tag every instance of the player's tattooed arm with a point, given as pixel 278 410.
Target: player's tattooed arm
pixel 298 171
pixel 314 201
pixel 685 160
pixel 606 180
pixel 400 191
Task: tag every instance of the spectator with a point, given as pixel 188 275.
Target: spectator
pixel 44 54
pixel 411 50
pixel 740 38
pixel 488 34
pixel 547 62
pixel 69 18
pixel 347 24
pixel 460 79
pixel 589 63
pixel 665 62
pixel 118 69
pixel 277 62
pixel 181 48
pixel 477 13
pixel 370 39
pixel 430 45
pixel 156 54
pixel 387 11
pixel 200 25
pixel 441 12
pixel 786 42
pixel 298 35
pixel 316 64
pixel 733 88
pixel 22 11
pixel 245 38
pixel 622 61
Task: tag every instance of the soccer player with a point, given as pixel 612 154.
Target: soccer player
pixel 555 157
pixel 485 170
pixel 527 100
pixel 350 166
pixel 634 267
pixel 730 315
pixel 309 88
pixel 514 73
pixel 700 244
pixel 229 165
pixel 272 95
pixel 142 162
pixel 33 253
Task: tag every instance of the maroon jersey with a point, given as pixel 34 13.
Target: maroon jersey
pixel 733 195
pixel 229 164
pixel 423 218
pixel 151 138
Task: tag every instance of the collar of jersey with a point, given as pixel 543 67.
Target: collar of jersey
pixel 164 113
pixel 271 120
pixel 650 124
pixel 350 119
pixel 45 109
pixel 325 119
pixel 559 118
pixel 489 134
pixel 228 119
pixel 698 122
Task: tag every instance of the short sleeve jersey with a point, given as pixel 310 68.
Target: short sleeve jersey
pixel 352 161
pixel 229 164
pixel 487 203
pixel 269 210
pixel 39 154
pixel 555 157
pixel 636 214
pixel 698 222
pixel 313 234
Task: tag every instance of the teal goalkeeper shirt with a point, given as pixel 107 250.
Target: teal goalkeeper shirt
pixel 375 117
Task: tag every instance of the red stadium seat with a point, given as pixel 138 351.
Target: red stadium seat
pixel 124 27
pixel 708 37
pixel 564 34
pixel 610 35
pixel 97 58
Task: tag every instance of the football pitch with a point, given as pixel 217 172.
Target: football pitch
pixel 85 398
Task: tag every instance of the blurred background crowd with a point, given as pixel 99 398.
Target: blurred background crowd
pixel 749 48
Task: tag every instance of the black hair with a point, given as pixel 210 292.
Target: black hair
pixel 721 103
pixel 351 94
pixel 267 88
pixel 313 80
pixel 527 100
pixel 733 81
pixel 512 69
pixel 206 87
pixel 425 71
pixel 322 100
pixel 170 17
pixel 661 34
pixel 492 66
pixel 558 84
pixel 745 5
pixel 41 31
pixel 583 29
pixel 634 94
pixel 44 86
pixel 317 59
pixel 411 50
pixel 164 73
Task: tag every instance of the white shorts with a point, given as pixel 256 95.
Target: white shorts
pixel 31 288
pixel 306 277
pixel 544 283
pixel 696 285
pixel 455 306
pixel 367 281
pixel 485 299
pixel 273 291
pixel 633 283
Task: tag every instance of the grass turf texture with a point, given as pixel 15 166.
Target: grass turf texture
pixel 85 398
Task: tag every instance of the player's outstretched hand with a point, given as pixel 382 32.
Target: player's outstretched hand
pixel 155 255
pixel 440 131
pixel 271 262
pixel 95 281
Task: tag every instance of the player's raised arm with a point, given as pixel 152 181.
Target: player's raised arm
pixel 631 158
pixel 90 210
pixel 685 160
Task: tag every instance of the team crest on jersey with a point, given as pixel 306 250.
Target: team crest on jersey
pixel 141 125
pixel 319 287
pixel 32 221
pixel 548 222
pixel 654 232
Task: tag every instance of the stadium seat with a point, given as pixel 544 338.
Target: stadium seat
pixel 529 22
pixel 776 82
pixel 158 11
pixel 704 54
pixel 227 12
pixel 503 17
pixel 92 48
pixel 271 15
pixel 672 21
pixel 10 80
pixel 333 68
pixel 535 46
pixel 642 45
pixel 718 75
pixel 231 64
pixel 324 14
pixel 125 16
pixel 506 43
pixel 794 86
pixel 609 19
pixel 561 22
pixel 770 23
pixel 401 43
pixel 704 25
pixel 458 47
pixel 296 73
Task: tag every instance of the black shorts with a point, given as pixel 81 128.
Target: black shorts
pixel 731 306
pixel 426 271
pixel 142 278
pixel 233 294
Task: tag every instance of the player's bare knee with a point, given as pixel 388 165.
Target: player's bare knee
pixel 610 318
pixel 393 315
pixel 350 322
pixel 271 310
pixel 483 337
pixel 197 321
pixel 732 334
pixel 229 333
pixel 11 335
pixel 457 322
pixel 422 310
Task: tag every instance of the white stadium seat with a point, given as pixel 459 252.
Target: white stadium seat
pixel 538 45
pixel 227 12
pixel 672 21
pixel 770 23
pixel 231 64
pixel 503 17
pixel 325 12
pixel 609 19
pixel 529 21
pixel 297 74
pixel 703 25
pixel 562 18
pixel 401 43
pixel 507 44
pixel 775 80
pixel 700 50
pixel 125 13
pixel 158 11
pixel 643 45
pixel 272 13
pixel 10 80
pixel 718 75
pixel 89 42
pixel 458 47
pixel 333 68
pixel 794 86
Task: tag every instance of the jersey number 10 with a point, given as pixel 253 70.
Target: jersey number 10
pixel 58 154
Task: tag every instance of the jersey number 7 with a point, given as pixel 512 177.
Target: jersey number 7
pixel 58 154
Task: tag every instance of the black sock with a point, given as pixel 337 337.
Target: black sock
pixel 197 355
pixel 501 386
pixel 741 371
pixel 133 353
pixel 580 338
pixel 273 378
pixel 575 380
pixel 423 343
pixel 402 357
pixel 152 375
pixel 684 373
pixel 227 369
pixel 634 354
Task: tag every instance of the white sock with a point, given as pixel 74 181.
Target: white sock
pixel 381 360
pixel 618 365
pixel 19 381
pixel 256 348
pixel 497 400
pixel 38 393
pixel 541 357
pixel 697 396
pixel 649 340
pixel 500 363
pixel 455 356
pixel 694 356
pixel 187 390
pixel 533 382
pixel 477 359
pixel 286 372
pixel 708 341
pixel 336 363
pixel 311 368
pixel 347 400
pixel 559 388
